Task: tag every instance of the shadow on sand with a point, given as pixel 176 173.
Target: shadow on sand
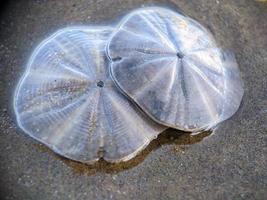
pixel 170 136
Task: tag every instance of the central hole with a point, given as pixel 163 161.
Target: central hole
pixel 180 55
pixel 100 84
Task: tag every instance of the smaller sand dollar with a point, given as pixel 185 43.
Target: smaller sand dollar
pixel 172 68
pixel 67 100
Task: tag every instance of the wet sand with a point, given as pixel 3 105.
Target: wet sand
pixel 230 163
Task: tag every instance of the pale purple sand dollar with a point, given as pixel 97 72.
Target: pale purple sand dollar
pixel 67 100
pixel 172 68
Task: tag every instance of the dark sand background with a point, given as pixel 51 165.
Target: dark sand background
pixel 231 163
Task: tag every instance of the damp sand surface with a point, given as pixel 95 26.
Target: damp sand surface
pixel 230 163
